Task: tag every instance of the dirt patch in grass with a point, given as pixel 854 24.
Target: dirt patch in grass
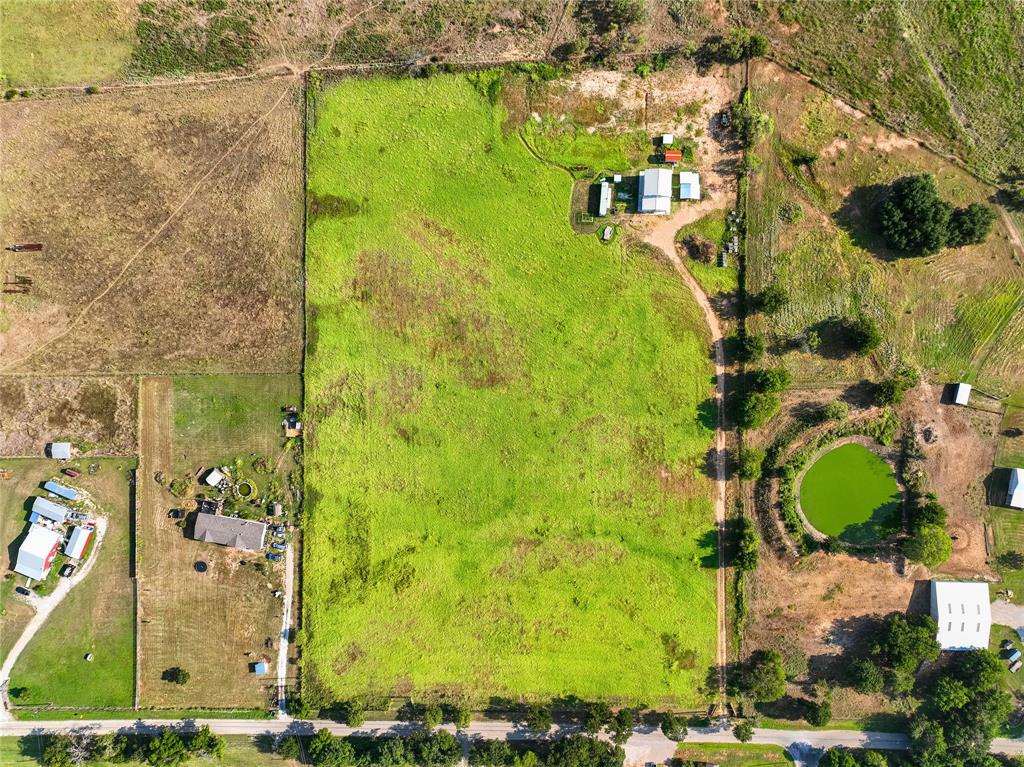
pixel 98 413
pixel 209 177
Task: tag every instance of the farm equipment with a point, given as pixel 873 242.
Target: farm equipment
pixel 25 247
pixel 18 284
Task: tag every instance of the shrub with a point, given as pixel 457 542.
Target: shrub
pixel 673 726
pixel 762 678
pixel 892 390
pixel 758 408
pixel 288 747
pixel 751 348
pixel 744 731
pixel 970 225
pixel 700 248
pixel 819 714
pixel 751 462
pixel 930 545
pixel 862 334
pixel 747 545
pixel 353 712
pixel 598 715
pixel 431 716
pixel 461 716
pixel 739 45
pixel 539 718
pixel 770 380
pixel 837 410
pixel 92 89
pixel 837 756
pixel 9 94
pixel 772 299
pixel 914 219
pixel 865 676
pixel 750 125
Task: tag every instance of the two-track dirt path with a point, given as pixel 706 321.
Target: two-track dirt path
pixel 663 237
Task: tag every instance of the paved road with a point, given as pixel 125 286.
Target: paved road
pixel 286 618
pixel 46 605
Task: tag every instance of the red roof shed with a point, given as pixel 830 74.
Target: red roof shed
pixel 673 155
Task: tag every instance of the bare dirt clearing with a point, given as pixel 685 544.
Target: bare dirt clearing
pixel 95 178
pixel 97 411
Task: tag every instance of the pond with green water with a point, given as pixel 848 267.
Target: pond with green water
pixel 850 493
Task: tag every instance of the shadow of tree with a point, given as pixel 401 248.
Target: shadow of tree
pixel 858 217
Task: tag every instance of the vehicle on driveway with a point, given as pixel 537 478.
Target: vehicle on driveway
pixel 23 591
pixel 274 557
pixel 176 513
pixel 278 546
pixel 67 570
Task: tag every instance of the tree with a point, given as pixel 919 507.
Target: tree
pixel 435 749
pixel 431 716
pixel 873 759
pixel 111 747
pixel 862 334
pixel 461 716
pixel 929 512
pixel 770 379
pixel 950 693
pixel 772 299
pixel 865 676
pixel 749 124
pixel 763 677
pixel 539 717
pixel 914 219
pixel 1012 560
pixel 167 749
pixel 819 714
pixel 205 743
pixel 353 712
pixel 905 643
pixel 747 546
pixel 930 545
pixel 751 348
pixel 622 725
pixel 757 408
pixel 743 731
pixel 581 751
pixel 673 726
pixel 598 715
pixel 970 225
pixel 739 45
pixel 177 675
pixel 57 751
pixel 751 461
pixel 320 746
pixel 288 747
pixel 490 753
pixel 392 752
pixel 837 757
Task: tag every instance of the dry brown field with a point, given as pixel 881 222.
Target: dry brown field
pixel 171 220
pixel 97 412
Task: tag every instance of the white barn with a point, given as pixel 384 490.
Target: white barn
pixel 962 394
pixel 1015 490
pixel 964 614
pixel 655 191
pixel 605 201
pixel 37 552
pixel 60 450
pixel 689 185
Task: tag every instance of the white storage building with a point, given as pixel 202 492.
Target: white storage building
pixel 964 614
pixel 37 552
pixel 1015 491
pixel 689 185
pixel 962 394
pixel 655 191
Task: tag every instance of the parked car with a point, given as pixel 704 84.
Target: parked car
pixel 67 570
pixel 71 472
pixel 22 590
pixel 78 515
pixel 176 513
pixel 277 528
pixel 274 557
pixel 278 546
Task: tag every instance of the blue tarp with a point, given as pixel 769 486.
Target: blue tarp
pixel 259 668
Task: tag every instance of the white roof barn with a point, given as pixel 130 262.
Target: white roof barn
pixel 60 450
pixel 962 394
pixel 655 191
pixel 689 185
pixel 964 614
pixel 77 541
pixel 605 202
pixel 1015 491
pixel 37 552
pixel 44 507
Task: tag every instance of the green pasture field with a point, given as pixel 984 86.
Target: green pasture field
pixel 508 423
pixel 813 229
pixel 1011 438
pixel 712 278
pixel 218 418
pixel 97 616
pixel 64 42
pixel 850 493
pixel 239 751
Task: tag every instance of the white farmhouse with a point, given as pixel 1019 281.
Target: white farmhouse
pixel 963 613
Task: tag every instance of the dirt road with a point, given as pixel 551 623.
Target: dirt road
pixel 286 618
pixel 663 237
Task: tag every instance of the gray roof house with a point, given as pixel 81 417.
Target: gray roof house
pixel 230 531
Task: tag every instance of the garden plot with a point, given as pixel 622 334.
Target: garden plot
pixel 509 423
pixel 213 624
pixel 170 219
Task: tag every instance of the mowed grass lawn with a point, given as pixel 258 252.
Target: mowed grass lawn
pixel 505 472
pixel 65 42
pixel 97 616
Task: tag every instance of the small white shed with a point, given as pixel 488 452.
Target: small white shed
pixel 689 185
pixel 60 450
pixel 214 477
pixel 667 139
pixel 1015 491
pixel 962 394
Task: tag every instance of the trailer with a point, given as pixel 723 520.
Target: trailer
pixel 25 247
